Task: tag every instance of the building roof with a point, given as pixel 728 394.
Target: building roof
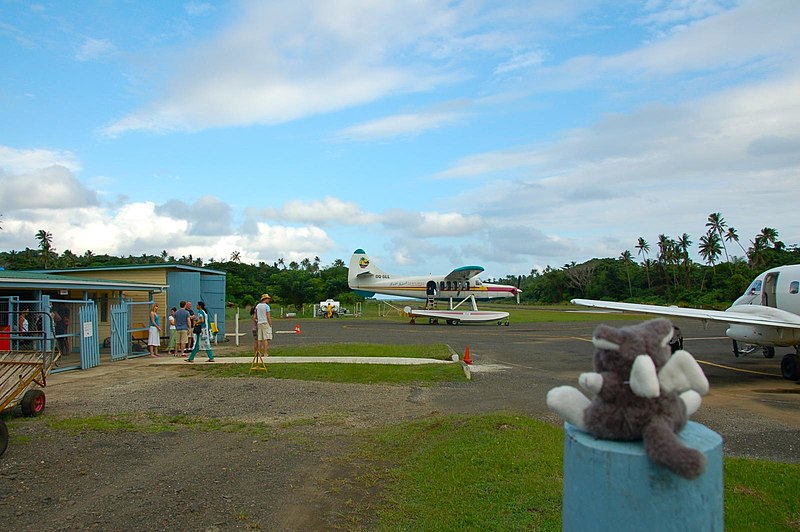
pixel 47 281
pixel 165 265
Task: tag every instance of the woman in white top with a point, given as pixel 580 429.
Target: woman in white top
pixel 173 332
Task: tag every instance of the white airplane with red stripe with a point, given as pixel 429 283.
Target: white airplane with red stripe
pixel 458 287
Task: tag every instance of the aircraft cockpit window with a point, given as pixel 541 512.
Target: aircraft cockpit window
pixel 441 286
pixel 754 288
pixel 477 282
pixel 449 285
pixel 466 285
pixel 794 286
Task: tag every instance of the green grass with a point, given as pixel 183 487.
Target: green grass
pixel 500 472
pixel 155 423
pixel 436 351
pixel 491 472
pixel 354 373
pixel 519 313
pixel 761 495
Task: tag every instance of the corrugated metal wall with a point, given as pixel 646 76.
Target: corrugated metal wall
pixel 212 292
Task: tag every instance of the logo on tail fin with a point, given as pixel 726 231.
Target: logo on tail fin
pixel 363 263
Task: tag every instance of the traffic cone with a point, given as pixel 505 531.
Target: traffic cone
pixel 467 359
pixel 297 329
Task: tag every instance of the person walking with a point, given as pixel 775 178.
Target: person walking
pixel 182 326
pixel 154 332
pixel 264 320
pixel 202 339
pixel 173 333
pixel 190 341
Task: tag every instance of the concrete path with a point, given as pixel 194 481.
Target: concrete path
pixel 200 358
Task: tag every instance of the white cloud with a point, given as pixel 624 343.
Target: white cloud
pixel 747 36
pixel 197 9
pixel 399 125
pixel 733 152
pixel 94 49
pixel 33 179
pixel 281 62
pixel 291 243
pixel 330 210
pixel 18 161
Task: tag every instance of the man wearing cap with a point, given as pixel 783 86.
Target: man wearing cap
pixel 264 324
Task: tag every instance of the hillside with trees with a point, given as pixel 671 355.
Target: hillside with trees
pixel 661 273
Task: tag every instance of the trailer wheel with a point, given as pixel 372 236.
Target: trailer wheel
pixel 33 403
pixel 3 437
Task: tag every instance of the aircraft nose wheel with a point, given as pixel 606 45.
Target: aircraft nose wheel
pixel 790 367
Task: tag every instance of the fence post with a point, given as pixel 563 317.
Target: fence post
pixel 613 485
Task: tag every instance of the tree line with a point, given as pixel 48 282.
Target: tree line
pixel 669 277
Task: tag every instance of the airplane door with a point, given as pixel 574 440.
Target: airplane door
pixel 768 295
pixel 430 289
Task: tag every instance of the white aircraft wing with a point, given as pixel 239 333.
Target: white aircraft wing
pixel 741 314
pixel 463 273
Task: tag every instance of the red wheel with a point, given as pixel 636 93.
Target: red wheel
pixel 33 403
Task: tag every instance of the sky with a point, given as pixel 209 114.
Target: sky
pixel 433 134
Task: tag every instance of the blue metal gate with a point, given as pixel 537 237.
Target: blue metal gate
pixel 90 345
pixel 120 336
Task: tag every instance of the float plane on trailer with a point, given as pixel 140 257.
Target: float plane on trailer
pixel 766 316
pixel 461 285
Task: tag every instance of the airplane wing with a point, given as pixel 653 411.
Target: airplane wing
pixel 740 314
pixel 463 273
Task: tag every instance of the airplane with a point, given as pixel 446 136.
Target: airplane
pixel 767 315
pixel 366 279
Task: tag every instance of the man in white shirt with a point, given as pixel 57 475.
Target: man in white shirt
pixel 264 324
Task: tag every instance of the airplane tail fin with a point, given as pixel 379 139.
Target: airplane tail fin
pixel 360 267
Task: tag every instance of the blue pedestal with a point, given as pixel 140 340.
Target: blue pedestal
pixel 610 485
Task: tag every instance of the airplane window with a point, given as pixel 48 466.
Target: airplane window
pixel 794 286
pixel 466 285
pixel 755 287
pixel 441 286
pixel 449 285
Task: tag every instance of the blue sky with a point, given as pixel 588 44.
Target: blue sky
pixel 433 134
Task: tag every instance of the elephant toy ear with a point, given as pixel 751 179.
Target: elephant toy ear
pixel 607 338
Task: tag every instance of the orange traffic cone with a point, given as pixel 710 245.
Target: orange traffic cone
pixel 467 359
pixel 297 329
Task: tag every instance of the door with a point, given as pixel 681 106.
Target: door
pixel 120 336
pixel 90 344
pixel 768 295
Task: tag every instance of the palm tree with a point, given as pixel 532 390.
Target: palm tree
pixel 710 250
pixel 164 255
pixel 769 235
pixel 644 249
pixel 732 235
pixel 627 259
pixel 684 243
pixel 716 223
pixel 666 255
pixel 236 256
pixel 45 244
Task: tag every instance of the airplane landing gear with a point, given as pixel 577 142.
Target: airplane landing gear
pixel 790 367
pixel 769 352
